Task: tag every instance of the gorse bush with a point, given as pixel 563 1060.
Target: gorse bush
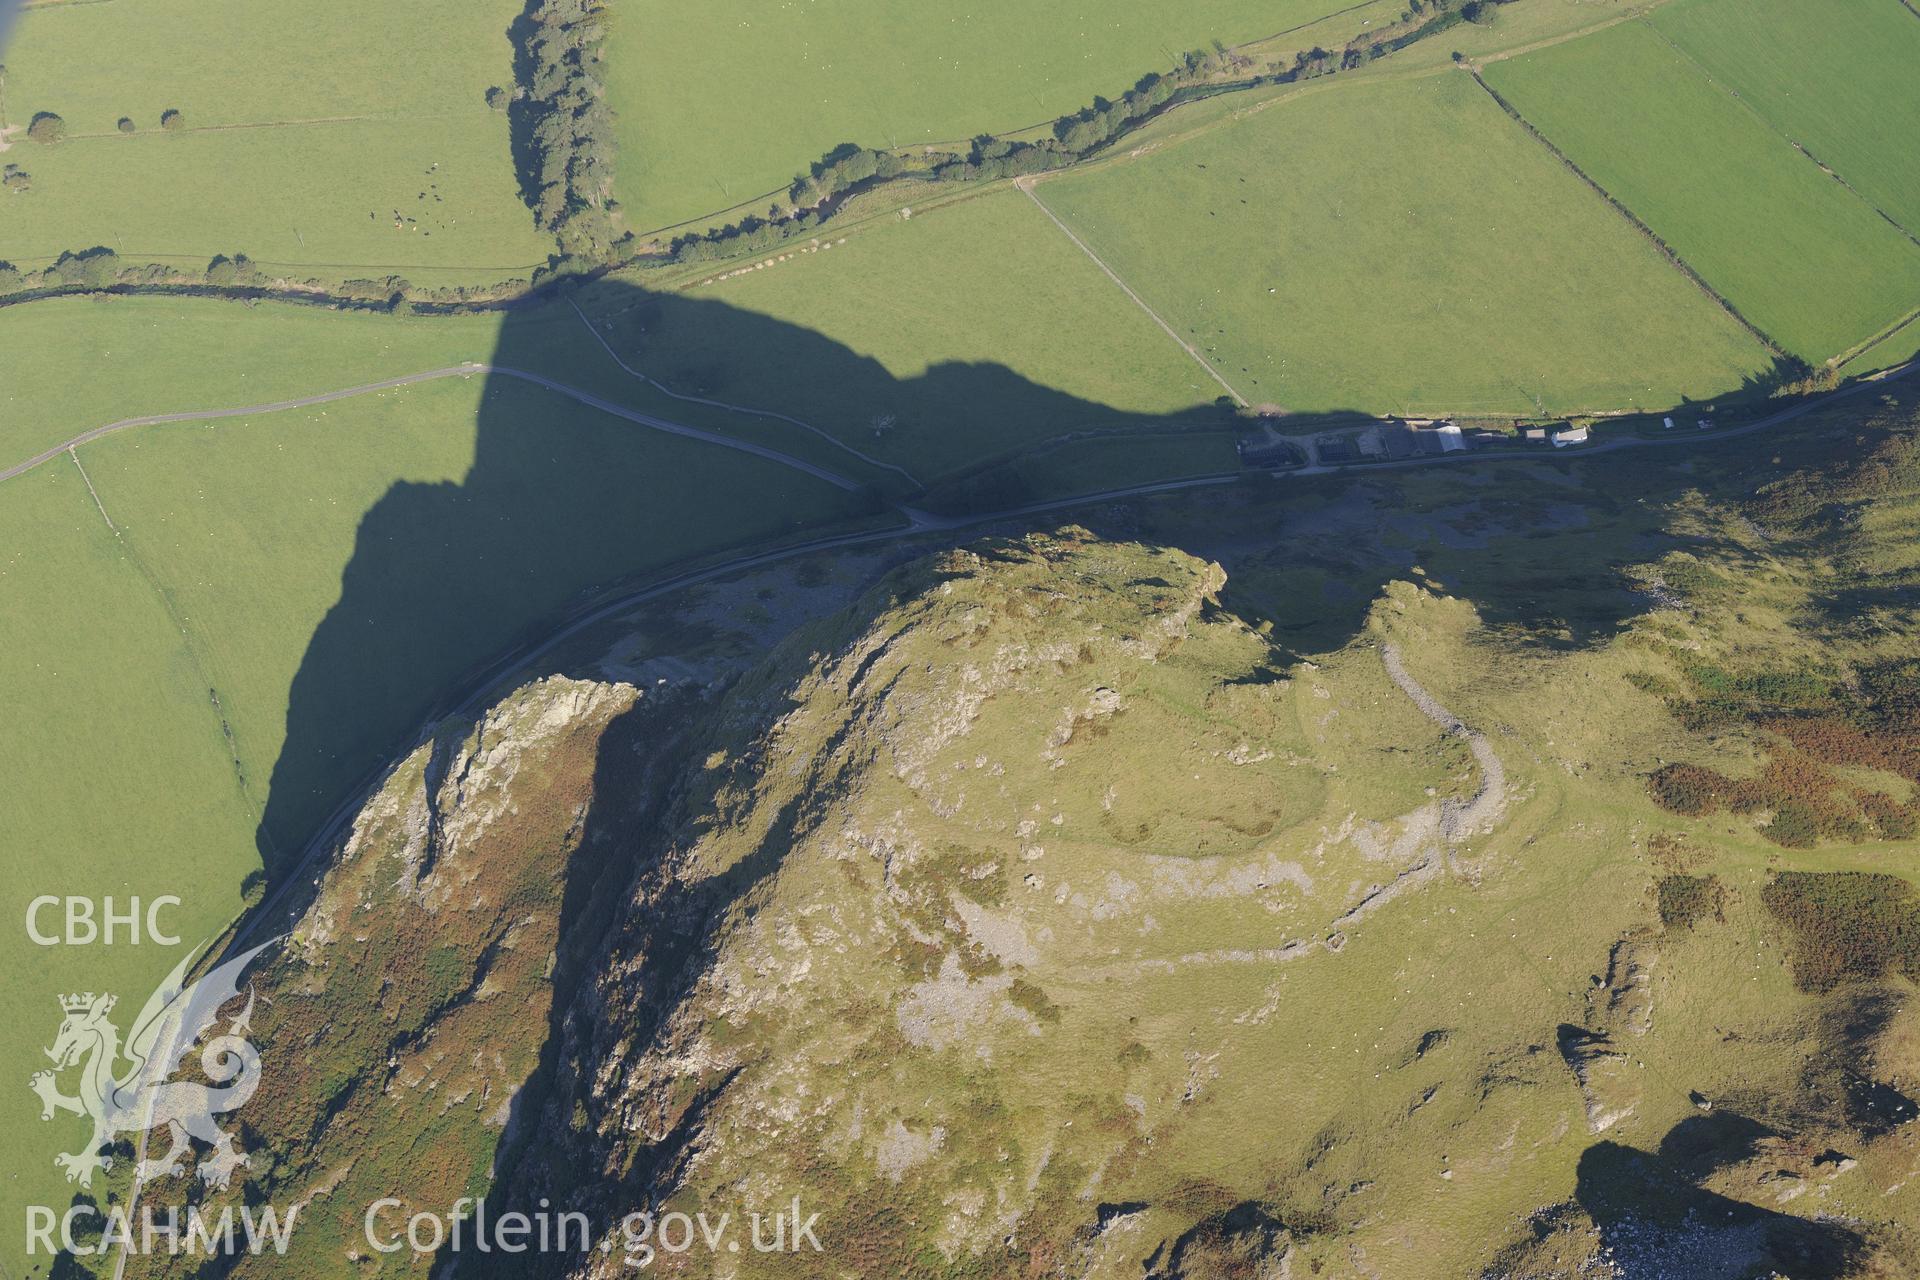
pixel 1685 901
pixel 1817 722
pixel 1846 925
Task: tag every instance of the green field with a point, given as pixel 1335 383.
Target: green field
pixel 1896 348
pixel 474 510
pixel 1807 261
pixel 1401 246
pixel 975 326
pixel 308 128
pixel 78 363
pixel 118 782
pixel 721 102
pixel 326 574
pixel 1838 78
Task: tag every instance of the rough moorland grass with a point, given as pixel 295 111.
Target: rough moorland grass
pixel 1802 257
pixel 426 528
pixel 976 327
pixel 1838 78
pixel 307 129
pixel 119 782
pixel 1402 246
pixel 721 102
pixel 78 363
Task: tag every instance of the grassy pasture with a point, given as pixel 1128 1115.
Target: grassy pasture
pixel 1838 78
pixel 76 363
pixel 119 782
pixel 721 102
pixel 976 327
pixel 1401 246
pixel 407 535
pixel 1895 349
pixel 307 128
pixel 1806 260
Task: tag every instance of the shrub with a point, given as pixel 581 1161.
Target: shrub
pixel 1684 901
pixel 1795 825
pixel 1846 925
pixel 93 268
pixel 1690 790
pixel 14 178
pixel 47 128
pixel 172 121
pixel 498 98
pixel 228 271
pixel 1030 997
pixel 125 124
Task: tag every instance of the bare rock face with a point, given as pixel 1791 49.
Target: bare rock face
pixel 1600 1052
pixel 406 1012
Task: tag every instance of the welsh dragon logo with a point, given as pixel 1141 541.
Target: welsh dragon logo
pixel 143 1096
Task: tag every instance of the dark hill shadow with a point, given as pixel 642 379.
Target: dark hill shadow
pixel 563 501
pixel 1655 1219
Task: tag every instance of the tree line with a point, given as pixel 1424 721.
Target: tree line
pixel 564 149
pixel 100 268
pixel 563 128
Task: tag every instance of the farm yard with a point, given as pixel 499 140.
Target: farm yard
pixel 349 139
pixel 1805 259
pixel 721 102
pixel 1457 269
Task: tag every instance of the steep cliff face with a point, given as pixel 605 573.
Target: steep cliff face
pixel 407 1010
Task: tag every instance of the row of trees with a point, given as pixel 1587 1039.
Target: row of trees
pixel 839 171
pixel 101 268
pixel 48 127
pixel 849 168
pixel 563 129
